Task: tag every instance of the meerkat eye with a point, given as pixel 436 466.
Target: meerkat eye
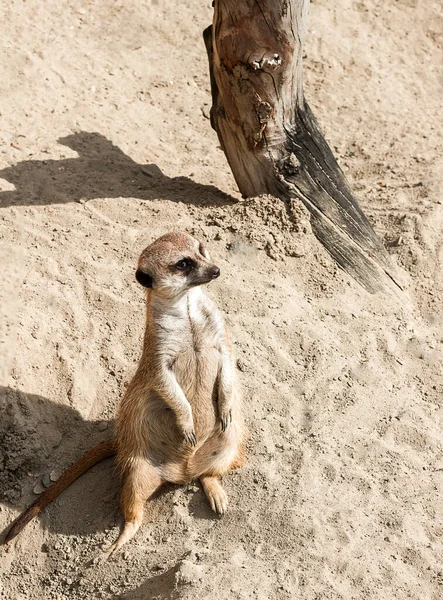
pixel 182 265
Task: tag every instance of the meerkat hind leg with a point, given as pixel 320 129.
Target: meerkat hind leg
pixel 139 485
pixel 218 499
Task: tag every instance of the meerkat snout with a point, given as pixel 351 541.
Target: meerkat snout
pixel 175 263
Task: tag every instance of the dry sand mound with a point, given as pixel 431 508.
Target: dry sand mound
pixel 106 145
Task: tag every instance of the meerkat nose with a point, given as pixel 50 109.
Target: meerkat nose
pixel 215 273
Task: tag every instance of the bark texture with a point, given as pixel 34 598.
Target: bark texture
pixel 271 138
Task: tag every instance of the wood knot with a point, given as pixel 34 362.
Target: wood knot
pixel 290 165
pixel 264 112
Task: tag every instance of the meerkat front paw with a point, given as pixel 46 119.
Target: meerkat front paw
pixel 186 426
pixel 225 419
pixel 190 437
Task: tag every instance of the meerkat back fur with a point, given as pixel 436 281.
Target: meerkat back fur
pixel 180 417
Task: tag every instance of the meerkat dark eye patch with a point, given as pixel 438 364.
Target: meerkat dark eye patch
pixel 143 278
pixel 184 264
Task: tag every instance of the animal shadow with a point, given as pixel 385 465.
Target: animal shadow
pixel 38 436
pixel 101 170
pixel 161 587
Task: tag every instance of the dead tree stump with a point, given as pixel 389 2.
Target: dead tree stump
pixel 271 138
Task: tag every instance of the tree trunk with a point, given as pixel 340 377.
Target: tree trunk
pixel 270 136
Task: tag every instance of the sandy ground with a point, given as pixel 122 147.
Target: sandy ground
pixel 106 144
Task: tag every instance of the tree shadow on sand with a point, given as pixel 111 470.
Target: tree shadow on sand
pixel 101 170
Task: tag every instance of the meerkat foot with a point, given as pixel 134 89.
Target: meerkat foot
pixel 216 495
pixel 141 482
pixel 129 530
pixel 225 419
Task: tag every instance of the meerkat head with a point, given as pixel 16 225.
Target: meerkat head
pixel 175 263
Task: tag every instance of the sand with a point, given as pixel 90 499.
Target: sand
pixel 105 144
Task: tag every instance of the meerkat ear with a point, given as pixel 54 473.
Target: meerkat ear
pixel 203 251
pixel 144 278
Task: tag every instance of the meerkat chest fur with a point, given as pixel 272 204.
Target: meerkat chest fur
pixel 189 336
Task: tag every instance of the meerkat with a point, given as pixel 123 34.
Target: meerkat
pixel 180 418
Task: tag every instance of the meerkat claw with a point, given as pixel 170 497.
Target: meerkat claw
pixel 190 437
pixel 225 420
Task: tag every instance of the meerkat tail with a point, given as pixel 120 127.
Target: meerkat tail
pixel 91 458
